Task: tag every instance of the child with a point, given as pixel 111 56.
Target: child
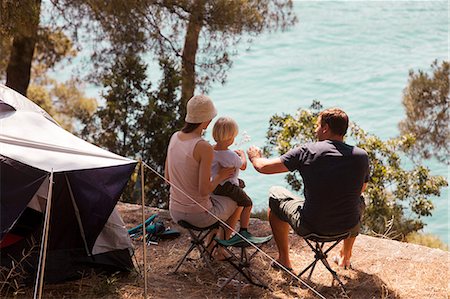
pixel 224 131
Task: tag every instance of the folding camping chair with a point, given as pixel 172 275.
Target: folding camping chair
pixel 241 260
pixel 316 243
pixel 198 236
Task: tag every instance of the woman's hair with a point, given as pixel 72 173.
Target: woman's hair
pixel 189 127
pixel 225 128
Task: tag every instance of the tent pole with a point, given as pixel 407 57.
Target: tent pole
pixel 43 254
pixel 144 231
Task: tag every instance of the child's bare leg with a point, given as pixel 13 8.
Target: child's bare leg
pixel 226 235
pixel 245 217
pixel 232 222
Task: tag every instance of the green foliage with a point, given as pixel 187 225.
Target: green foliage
pixel 200 36
pixel 260 214
pixel 15 16
pixel 135 121
pixel 64 101
pixel 116 123
pixel 426 240
pixel 138 122
pixel 397 197
pixel 165 27
pixel 426 101
pixel 161 118
pixel 53 46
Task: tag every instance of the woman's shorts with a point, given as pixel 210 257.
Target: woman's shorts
pixel 222 208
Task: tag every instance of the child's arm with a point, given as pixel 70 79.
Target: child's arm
pixel 241 155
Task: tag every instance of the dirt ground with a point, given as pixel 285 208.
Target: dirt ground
pixel 381 269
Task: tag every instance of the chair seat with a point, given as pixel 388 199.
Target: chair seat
pixel 187 225
pixel 326 238
pixel 239 242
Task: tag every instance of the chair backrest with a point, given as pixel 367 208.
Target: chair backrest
pixel 326 238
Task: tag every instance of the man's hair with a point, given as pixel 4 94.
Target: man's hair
pixel 225 128
pixel 336 119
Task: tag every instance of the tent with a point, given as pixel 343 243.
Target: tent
pixel 85 230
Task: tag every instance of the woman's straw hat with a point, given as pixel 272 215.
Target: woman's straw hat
pixel 200 109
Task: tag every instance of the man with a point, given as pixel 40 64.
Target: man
pixel 334 176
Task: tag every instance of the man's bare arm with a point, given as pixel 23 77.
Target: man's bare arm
pixel 264 165
pixel 364 187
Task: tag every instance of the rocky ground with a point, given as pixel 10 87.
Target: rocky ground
pixel 381 269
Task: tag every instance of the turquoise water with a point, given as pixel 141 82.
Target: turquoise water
pixel 354 55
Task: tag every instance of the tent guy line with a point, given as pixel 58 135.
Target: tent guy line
pixel 236 232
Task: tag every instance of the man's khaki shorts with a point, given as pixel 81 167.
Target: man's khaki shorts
pixel 287 206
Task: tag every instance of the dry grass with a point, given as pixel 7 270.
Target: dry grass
pixel 381 269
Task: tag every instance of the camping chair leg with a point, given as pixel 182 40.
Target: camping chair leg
pixel 203 253
pixel 228 281
pixel 331 247
pixel 318 255
pixel 184 257
pixel 312 269
pixel 197 241
pixel 321 253
pixel 250 273
pixel 335 276
pixel 307 268
pixel 239 286
pixel 242 267
pixel 260 282
pixel 313 264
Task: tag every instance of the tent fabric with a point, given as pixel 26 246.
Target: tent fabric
pixel 33 140
pixel 24 226
pixel 29 135
pixel 14 101
pixel 113 236
pixel 18 184
pixel 84 227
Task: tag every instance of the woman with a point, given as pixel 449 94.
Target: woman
pixel 188 167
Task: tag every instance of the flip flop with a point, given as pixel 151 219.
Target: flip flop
pixel 277 267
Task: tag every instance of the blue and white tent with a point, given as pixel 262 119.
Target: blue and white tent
pixel 85 229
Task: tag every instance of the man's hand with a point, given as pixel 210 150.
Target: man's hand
pixel 254 152
pixel 264 165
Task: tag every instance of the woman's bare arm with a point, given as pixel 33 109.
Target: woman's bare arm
pixel 166 171
pixel 204 152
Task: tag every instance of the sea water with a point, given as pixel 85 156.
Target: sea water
pixel 350 54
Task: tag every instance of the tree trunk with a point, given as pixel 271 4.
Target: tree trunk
pixel 24 41
pixel 189 53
